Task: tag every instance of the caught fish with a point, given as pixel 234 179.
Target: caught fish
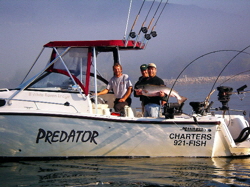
pixel 153 90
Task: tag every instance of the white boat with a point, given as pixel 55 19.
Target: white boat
pixel 55 115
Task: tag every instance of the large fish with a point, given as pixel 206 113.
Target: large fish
pixel 153 90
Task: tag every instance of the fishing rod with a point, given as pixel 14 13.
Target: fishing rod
pixel 234 76
pixel 142 27
pixel 131 33
pixel 153 32
pixel 145 29
pixel 228 64
pixel 240 90
pixel 212 52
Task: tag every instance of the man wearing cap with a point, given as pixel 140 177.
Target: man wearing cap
pixel 152 104
pixel 144 73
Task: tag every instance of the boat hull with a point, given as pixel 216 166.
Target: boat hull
pixel 61 135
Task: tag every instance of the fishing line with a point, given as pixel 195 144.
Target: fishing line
pixel 212 52
pixel 234 76
pixel 153 32
pixel 228 64
pixel 148 37
pixel 141 30
pixel 238 90
pixel 131 33
pixel 145 29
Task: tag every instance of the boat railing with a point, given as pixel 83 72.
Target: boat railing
pixel 4 89
pixel 45 102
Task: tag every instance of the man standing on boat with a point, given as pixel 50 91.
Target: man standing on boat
pixel 152 104
pixel 144 73
pixel 122 88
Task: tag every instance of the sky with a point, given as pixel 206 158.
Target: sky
pixel 186 30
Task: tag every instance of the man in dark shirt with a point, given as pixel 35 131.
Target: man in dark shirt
pixel 152 104
pixel 144 73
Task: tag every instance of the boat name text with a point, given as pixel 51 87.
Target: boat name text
pixel 63 136
pixel 49 95
pixel 190 139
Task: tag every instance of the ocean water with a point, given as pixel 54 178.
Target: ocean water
pixel 139 172
pixel 136 172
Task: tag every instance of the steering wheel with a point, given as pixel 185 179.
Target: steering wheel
pixel 100 100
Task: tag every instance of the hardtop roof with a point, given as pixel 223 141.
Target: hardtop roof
pixel 96 43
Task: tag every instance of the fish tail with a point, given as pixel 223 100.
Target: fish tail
pixel 182 100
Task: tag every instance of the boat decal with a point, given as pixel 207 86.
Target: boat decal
pixel 194 139
pixel 63 136
pixel 48 95
pixel 195 129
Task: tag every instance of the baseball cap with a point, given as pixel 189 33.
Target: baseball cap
pixel 143 67
pixel 151 65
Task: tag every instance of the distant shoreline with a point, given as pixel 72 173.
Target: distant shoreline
pixel 203 80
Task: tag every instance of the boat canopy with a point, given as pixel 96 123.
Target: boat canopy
pixel 71 61
pixel 105 44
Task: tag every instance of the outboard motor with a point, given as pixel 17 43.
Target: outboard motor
pixel 224 96
pixel 171 109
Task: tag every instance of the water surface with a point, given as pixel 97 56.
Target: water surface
pixel 128 172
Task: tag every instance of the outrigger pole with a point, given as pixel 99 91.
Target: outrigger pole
pixel 153 32
pixel 126 28
pixel 131 33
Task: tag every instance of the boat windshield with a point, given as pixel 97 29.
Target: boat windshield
pixel 60 82
pixel 77 62
pixel 53 81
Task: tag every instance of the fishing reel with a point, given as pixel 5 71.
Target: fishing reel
pixel 201 107
pixel 144 30
pixel 132 34
pixel 171 109
pixel 198 107
pixel 153 33
pixel 148 36
pixel 224 96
